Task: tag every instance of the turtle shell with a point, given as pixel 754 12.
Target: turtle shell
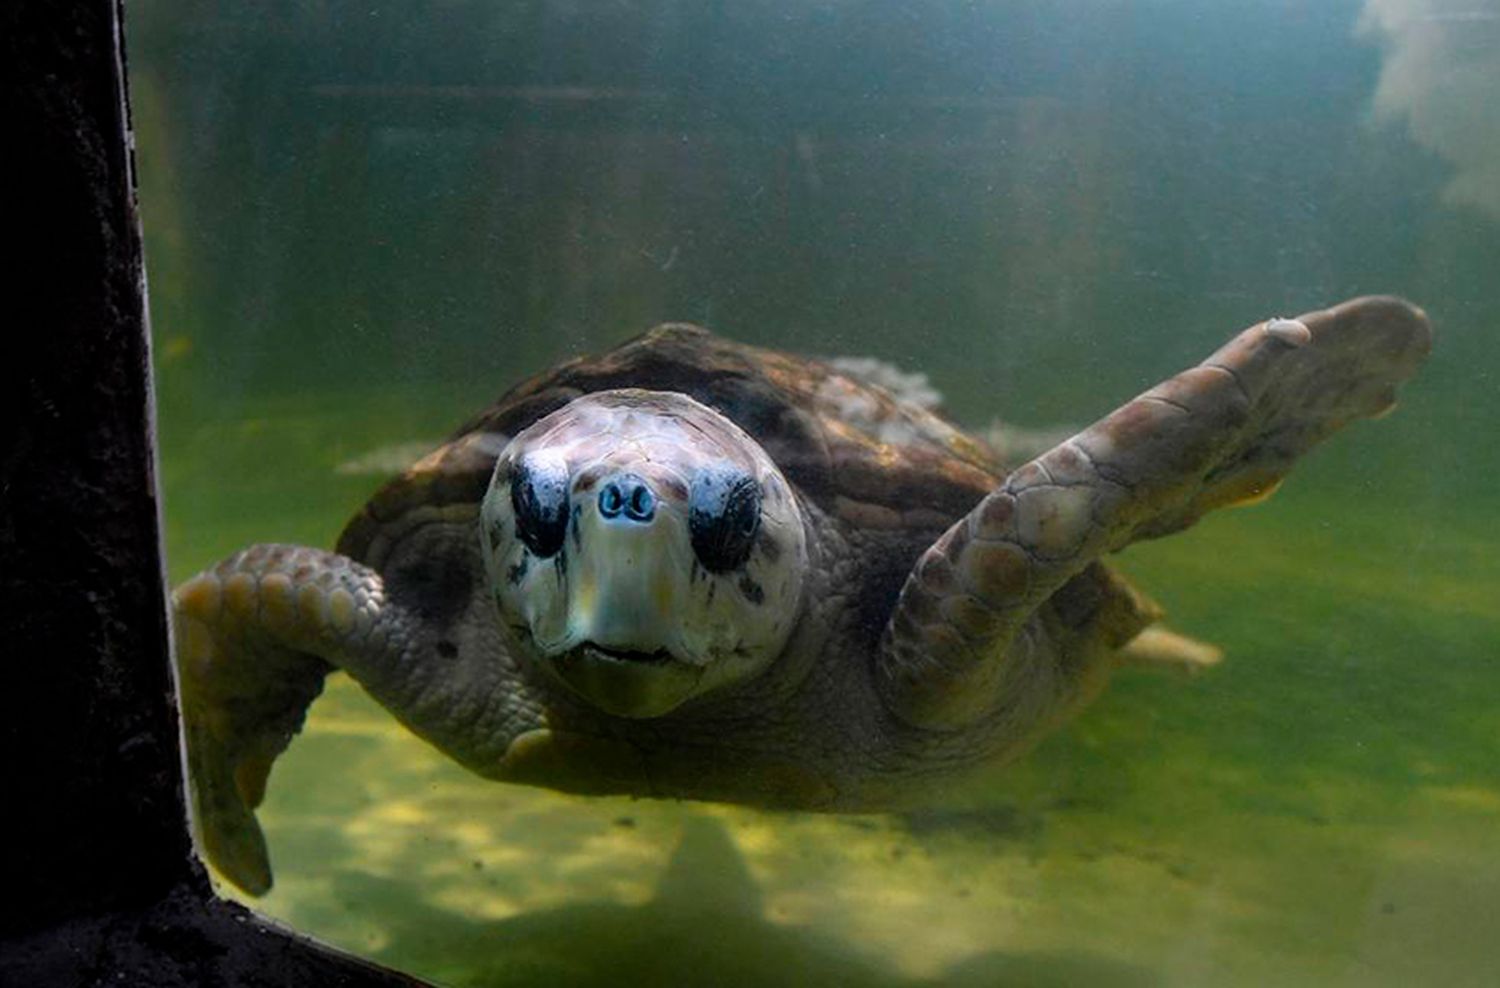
pixel 851 447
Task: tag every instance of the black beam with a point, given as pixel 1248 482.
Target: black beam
pixel 100 883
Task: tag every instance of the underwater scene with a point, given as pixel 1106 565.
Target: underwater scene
pixel 364 223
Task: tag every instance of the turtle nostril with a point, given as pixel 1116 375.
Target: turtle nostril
pixel 611 501
pixel 628 496
pixel 642 505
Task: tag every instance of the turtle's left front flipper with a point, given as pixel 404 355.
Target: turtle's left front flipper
pixel 1224 432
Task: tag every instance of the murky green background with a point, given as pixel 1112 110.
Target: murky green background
pixel 364 221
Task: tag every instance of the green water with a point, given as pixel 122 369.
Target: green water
pixel 364 222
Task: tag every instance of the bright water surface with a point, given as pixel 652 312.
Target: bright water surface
pixel 364 221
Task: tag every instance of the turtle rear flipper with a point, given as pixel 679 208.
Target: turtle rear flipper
pixel 1221 433
pixel 258 633
pixel 1157 647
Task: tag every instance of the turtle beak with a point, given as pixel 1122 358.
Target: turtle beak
pixel 623 592
pixel 627 684
pixel 620 647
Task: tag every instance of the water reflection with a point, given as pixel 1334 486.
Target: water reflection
pixel 703 924
pixel 1132 846
pixel 438 871
pixel 1441 76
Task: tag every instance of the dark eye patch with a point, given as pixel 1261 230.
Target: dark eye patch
pixel 539 498
pixel 723 517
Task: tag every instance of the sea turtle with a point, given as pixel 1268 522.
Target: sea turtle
pixel 695 568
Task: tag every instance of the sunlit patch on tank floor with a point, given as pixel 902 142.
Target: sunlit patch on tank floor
pixel 401 847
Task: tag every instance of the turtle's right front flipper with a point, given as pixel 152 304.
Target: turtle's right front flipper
pixel 257 634
pixel 255 637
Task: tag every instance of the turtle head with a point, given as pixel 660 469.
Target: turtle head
pixel 643 550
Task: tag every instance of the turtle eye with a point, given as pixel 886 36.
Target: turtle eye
pixel 539 498
pixel 723 517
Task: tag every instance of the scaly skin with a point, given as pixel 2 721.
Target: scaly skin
pixel 1005 625
pixel 257 634
pixel 1224 432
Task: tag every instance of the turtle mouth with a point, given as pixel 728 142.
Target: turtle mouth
pixel 626 682
pixel 601 653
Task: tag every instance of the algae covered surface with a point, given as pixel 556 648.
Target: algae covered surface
pixel 362 225
pixel 1322 808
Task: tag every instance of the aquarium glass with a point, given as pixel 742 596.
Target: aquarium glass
pixel 366 221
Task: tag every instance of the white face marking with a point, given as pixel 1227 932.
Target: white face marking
pixel 599 579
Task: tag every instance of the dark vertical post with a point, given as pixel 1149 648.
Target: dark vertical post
pixel 99 881
pixel 88 721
